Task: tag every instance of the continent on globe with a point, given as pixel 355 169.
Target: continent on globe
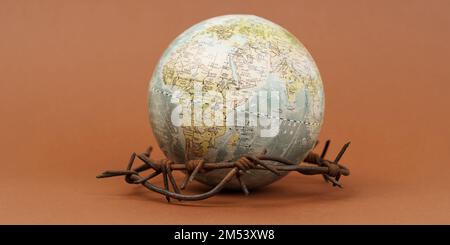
pixel 230 80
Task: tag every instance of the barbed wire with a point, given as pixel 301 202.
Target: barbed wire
pixel 313 164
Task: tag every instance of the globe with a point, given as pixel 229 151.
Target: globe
pixel 236 85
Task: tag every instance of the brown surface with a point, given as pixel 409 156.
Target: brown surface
pixel 73 91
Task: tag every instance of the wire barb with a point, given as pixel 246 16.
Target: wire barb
pixel 334 173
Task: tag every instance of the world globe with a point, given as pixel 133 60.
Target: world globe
pixel 236 85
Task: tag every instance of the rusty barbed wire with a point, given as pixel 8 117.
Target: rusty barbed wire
pixel 313 164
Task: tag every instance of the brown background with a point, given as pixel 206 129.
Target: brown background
pixel 73 90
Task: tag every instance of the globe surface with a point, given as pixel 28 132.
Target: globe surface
pixel 237 57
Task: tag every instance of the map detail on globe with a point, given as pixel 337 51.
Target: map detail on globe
pixel 232 60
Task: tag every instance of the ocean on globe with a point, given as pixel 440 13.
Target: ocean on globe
pixel 235 85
